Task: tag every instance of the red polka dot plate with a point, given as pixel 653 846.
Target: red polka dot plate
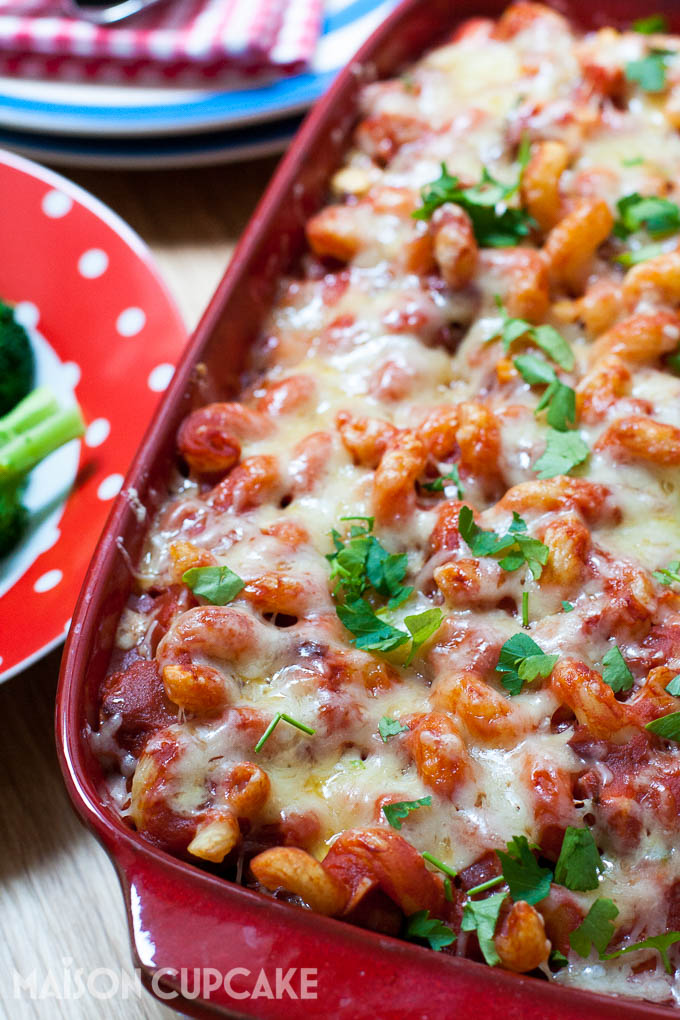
pixel 106 332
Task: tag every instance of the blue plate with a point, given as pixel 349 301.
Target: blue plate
pixel 154 153
pixel 109 111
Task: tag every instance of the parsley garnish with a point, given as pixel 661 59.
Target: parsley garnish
pixel 649 72
pixel 661 943
pixel 395 813
pixel 658 215
pixel 421 627
pixel 563 451
pixel 667 726
pixel 616 672
pixel 669 574
pixel 520 660
pixel 632 258
pixel 446 868
pixel 371 633
pixel 596 928
pixel 494 223
pixel 389 728
pixel 482 916
pixel 282 717
pixel 219 585
pixel 525 608
pixel 559 398
pixel 558 959
pixel 651 24
pixel 673 686
pixel 526 879
pixel 579 863
pixel 518 547
pixel 421 926
pixel 362 562
pixel 438 484
pixel 546 337
pixel 568 606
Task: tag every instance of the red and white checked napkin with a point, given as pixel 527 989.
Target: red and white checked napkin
pixel 211 36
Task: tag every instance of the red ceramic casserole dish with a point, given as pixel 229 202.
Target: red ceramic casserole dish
pixel 180 917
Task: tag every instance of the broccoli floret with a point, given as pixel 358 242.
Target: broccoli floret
pixel 17 363
pixel 13 519
pixel 29 433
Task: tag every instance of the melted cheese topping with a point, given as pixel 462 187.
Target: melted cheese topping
pixel 386 337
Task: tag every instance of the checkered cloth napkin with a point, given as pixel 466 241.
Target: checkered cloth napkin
pixel 208 36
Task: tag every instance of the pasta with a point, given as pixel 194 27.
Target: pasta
pixel 405 643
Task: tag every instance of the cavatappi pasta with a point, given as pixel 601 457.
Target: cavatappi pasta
pixel 406 638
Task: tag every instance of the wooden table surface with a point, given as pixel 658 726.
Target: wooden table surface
pixel 60 906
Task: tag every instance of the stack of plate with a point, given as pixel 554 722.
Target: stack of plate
pixel 124 126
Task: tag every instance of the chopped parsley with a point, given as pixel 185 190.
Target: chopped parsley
pixel 662 943
pixel 362 562
pixel 546 337
pixel 559 399
pixel 371 632
pixel 282 717
pixel 658 216
pixel 421 627
pixel 218 585
pixel 615 671
pixel 481 916
pixel 666 726
pixel 579 863
pixel 421 926
pixel 596 929
pixel 668 575
pixel 517 547
pixel 395 813
pixel 651 24
pixel 526 879
pixel 495 224
pixel 673 686
pixel 633 258
pixel 390 728
pixel 568 606
pixel 520 660
pixel 374 634
pixel 563 451
pixel 439 484
pixel 446 868
pixel 649 72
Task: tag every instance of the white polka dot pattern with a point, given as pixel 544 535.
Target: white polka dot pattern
pixel 48 581
pixel 160 376
pixel 93 263
pixel 56 204
pixel 109 487
pixel 130 322
pixel 98 431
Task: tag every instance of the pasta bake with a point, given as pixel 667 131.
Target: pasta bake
pixel 404 646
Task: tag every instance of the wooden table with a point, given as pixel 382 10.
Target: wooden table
pixel 61 909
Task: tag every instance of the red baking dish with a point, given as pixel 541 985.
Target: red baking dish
pixel 180 917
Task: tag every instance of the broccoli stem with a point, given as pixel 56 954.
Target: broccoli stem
pixel 38 405
pixel 26 449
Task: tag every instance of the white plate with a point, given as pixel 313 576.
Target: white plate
pixel 65 108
